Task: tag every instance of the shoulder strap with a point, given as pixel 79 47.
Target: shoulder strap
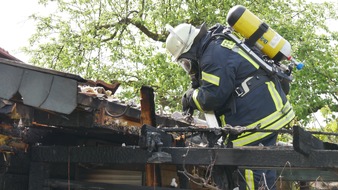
pixel 216 32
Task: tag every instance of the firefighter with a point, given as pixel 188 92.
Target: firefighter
pixel 228 82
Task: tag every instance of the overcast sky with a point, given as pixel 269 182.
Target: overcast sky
pixel 16 28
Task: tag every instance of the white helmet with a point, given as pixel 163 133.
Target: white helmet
pixel 180 39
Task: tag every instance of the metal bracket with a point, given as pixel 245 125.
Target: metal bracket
pixel 153 140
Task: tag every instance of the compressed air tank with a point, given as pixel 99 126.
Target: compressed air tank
pixel 258 33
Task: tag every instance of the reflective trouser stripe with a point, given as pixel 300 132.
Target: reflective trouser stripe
pixel 222 119
pixel 249 178
pixel 274 121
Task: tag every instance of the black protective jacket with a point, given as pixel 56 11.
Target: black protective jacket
pixel 222 69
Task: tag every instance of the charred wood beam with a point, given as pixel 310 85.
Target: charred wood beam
pixel 253 157
pixel 147 106
pixel 77 118
pixel 72 136
pixel 84 115
pixel 57 183
pixel 134 114
pixel 304 142
pixel 94 154
pixel 153 177
pixel 308 175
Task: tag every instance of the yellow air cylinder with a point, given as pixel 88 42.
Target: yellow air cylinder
pixel 259 33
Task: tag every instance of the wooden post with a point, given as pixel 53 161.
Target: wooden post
pixel 148 117
pixel 147 106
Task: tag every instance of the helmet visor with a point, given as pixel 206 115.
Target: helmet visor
pixel 178 43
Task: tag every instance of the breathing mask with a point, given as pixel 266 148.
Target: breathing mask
pixel 190 67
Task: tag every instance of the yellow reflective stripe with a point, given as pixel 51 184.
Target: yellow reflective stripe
pixel 243 54
pixel 275 95
pixel 210 78
pixel 249 178
pixel 194 97
pixel 232 45
pixel 256 136
pixel 228 44
pixel 222 119
pixel 272 117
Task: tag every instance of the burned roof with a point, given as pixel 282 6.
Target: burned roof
pixel 47 98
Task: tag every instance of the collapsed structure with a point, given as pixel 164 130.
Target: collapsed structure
pixel 60 131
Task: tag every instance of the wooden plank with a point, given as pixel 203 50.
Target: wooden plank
pixel 244 156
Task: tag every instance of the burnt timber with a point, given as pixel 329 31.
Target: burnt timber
pixel 58 137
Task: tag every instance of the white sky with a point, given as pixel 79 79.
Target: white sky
pixel 16 28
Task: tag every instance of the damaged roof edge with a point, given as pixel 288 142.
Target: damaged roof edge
pixel 40 69
pixel 6 55
pixel 38 87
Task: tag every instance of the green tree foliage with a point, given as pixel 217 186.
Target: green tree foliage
pixel 124 40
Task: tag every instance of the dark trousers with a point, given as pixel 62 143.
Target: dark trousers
pixel 262 179
pixel 230 177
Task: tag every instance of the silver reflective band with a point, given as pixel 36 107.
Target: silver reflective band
pixel 185 64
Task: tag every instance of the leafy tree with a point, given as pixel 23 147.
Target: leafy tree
pixel 123 41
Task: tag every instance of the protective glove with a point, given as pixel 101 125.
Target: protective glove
pixel 186 107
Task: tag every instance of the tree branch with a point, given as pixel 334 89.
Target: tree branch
pixel 154 36
pixel 141 27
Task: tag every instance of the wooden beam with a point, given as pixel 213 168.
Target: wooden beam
pixel 304 142
pixel 321 164
pixel 290 174
pixel 147 106
pixel 253 157
pixel 148 117
pixel 58 183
